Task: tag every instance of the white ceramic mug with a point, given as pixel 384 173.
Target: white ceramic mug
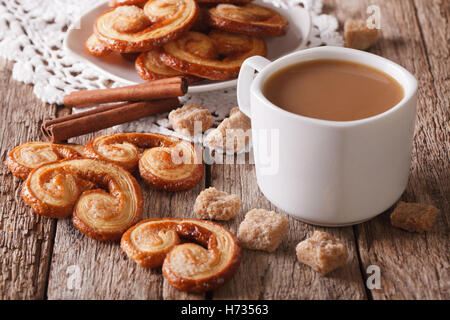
pixel 329 173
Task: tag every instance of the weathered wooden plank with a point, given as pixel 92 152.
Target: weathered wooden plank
pixel 414 266
pixel 279 275
pixel 25 238
pixel 105 271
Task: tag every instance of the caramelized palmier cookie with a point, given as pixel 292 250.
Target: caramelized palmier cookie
pixel 229 44
pixel 250 19
pixel 59 188
pixel 164 162
pixel 94 47
pixel 195 267
pixel 130 57
pixel 28 156
pixel 200 24
pixel 198 54
pixel 133 29
pixel 116 3
pixel 149 67
pixel 213 2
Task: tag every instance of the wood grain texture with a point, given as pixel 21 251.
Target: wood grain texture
pixel 25 238
pixel 105 270
pixel 414 266
pixel 279 275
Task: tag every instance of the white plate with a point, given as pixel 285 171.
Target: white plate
pixel 116 68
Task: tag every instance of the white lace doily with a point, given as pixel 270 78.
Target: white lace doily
pixel 32 34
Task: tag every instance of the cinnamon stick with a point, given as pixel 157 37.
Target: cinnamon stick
pixel 158 89
pixel 103 117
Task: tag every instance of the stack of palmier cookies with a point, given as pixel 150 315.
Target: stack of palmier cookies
pixel 199 39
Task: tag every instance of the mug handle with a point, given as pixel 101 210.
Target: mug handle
pixel 246 75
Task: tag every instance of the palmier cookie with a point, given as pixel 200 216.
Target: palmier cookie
pixel 130 57
pixel 58 189
pixel 250 19
pixel 164 162
pixel 132 29
pixel 214 2
pixel 194 267
pixel 28 156
pixel 96 48
pixel 199 54
pixel 117 3
pixel 149 67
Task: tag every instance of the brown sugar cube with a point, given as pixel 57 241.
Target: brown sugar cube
pixel 322 252
pixel 217 205
pixel 232 134
pixel 183 119
pixel 414 217
pixel 262 230
pixel 358 36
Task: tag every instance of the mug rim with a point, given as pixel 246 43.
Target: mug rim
pixel 409 86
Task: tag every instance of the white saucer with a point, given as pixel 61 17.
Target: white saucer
pixel 116 68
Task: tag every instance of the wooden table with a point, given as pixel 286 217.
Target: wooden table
pixel 38 256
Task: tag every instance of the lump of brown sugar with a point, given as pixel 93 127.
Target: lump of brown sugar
pixel 262 230
pixel 183 120
pixel 217 205
pixel 414 217
pixel 232 134
pixel 322 252
pixel 358 36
